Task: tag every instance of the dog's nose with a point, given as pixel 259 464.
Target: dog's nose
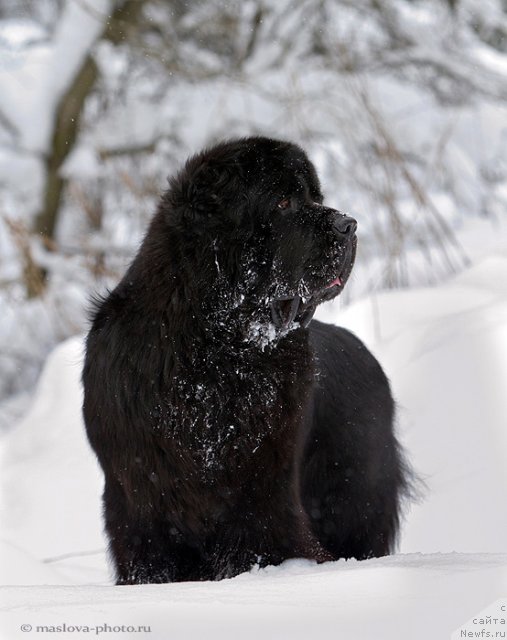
pixel 345 225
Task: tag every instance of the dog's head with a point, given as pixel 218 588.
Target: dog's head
pixel 254 207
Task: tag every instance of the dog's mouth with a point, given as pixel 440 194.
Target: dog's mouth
pixel 298 309
pixel 301 309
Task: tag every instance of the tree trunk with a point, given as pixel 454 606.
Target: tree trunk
pixel 68 115
pixel 65 132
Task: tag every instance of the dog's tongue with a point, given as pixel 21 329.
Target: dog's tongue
pixel 336 281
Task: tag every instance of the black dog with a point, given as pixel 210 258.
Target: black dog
pixel 233 431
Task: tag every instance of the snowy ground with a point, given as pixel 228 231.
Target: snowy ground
pixel 410 597
pixel 445 351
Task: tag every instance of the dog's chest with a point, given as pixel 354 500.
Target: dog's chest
pixel 224 409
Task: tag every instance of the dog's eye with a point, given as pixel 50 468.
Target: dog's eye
pixel 284 204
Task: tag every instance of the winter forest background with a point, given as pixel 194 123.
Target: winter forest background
pixel 402 105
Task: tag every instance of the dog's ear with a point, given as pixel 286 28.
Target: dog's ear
pixel 205 192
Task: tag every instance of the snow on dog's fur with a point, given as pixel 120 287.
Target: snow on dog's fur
pixel 232 429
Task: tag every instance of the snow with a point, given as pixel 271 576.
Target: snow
pixel 262 334
pixel 416 597
pixel 47 463
pixel 445 351
pixel 44 84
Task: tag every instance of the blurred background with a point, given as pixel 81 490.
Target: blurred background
pixel 400 103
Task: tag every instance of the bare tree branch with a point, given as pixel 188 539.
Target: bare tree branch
pixel 8 125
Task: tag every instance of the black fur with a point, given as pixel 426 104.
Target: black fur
pixel 231 431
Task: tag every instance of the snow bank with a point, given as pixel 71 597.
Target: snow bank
pixel 51 480
pixel 408 597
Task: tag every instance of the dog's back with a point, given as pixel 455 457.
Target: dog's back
pixel 353 475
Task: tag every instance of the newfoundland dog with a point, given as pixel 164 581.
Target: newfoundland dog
pixel 232 429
